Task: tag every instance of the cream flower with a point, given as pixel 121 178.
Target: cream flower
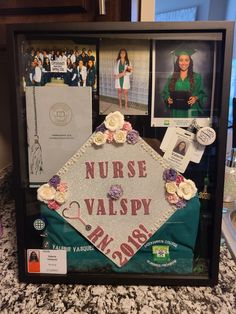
pixel 120 137
pixel 187 189
pixel 99 138
pixel 60 197
pixel 114 121
pixel 46 193
pixel 171 187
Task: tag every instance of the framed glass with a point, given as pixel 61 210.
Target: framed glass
pixel 119 224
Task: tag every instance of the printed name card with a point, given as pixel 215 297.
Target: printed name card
pixel 47 261
pixel 112 191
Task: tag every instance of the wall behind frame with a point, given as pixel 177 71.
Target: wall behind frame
pixel 5 135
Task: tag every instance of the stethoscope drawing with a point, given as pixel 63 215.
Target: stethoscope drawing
pixel 78 217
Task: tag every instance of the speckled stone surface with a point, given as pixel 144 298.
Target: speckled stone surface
pixel 23 298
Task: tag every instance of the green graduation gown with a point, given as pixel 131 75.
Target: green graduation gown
pixel 184 85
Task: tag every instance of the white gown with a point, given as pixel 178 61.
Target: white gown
pixel 126 84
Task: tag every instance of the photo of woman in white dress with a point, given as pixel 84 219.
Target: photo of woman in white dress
pixel 123 76
pixel 122 71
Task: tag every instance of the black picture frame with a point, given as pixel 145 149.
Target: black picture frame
pixel 24 196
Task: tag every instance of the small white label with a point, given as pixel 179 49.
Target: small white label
pixel 47 261
pixel 206 136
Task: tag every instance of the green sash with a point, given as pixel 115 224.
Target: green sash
pixel 170 249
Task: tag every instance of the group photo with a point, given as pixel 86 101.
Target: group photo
pixel 124 76
pixel 52 64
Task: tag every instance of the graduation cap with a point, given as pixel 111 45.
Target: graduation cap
pixel 184 51
pixel 94 210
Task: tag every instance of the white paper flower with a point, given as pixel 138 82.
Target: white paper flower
pixel 171 187
pixel 46 193
pixel 187 189
pixel 120 137
pixel 99 138
pixel 114 121
pixel 60 197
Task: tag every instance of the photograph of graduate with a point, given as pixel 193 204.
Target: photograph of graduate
pixel 182 82
pixel 33 261
pixel 124 76
pixel 52 64
pixel 181 147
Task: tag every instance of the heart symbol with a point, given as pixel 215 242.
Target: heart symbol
pixel 67 216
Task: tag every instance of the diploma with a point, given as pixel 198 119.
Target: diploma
pixel 59 121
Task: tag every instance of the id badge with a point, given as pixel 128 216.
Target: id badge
pixel 171 135
pixel 180 149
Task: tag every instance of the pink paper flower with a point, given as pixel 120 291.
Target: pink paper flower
pixel 53 205
pixel 172 198
pixel 179 179
pixel 127 126
pixel 110 136
pixel 62 187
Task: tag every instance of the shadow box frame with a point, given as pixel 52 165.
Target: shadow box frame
pixel 19 138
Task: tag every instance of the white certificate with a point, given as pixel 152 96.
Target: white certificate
pixel 59 121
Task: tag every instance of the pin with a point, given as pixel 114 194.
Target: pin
pixel 39 224
pixel 44 235
pixel 204 135
pixel 204 194
pixel 46 245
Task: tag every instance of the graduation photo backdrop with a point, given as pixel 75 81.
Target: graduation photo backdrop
pixel 183 82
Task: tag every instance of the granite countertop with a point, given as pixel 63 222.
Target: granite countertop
pixel 23 298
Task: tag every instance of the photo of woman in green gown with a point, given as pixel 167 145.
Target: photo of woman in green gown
pixel 184 79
